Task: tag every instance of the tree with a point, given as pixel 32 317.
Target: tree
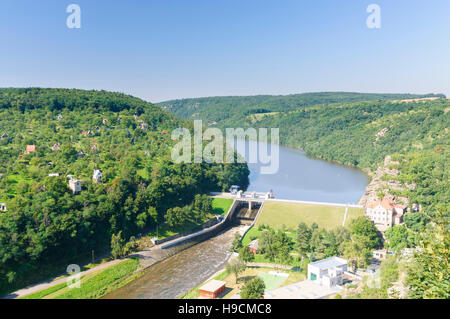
pixel 429 273
pixel 365 230
pixel 246 255
pixel 236 244
pixel 302 241
pixel 397 237
pixel 236 266
pixel 117 245
pixel 253 289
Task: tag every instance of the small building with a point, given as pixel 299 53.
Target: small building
pixel 59 117
pixel 5 135
pixel 53 175
pixel 30 149
pixel 105 121
pixel 327 272
pixel 80 154
pixel 3 207
pixel 97 176
pixel 143 126
pixel 234 189
pixel 212 289
pixel 75 185
pixel 380 254
pixel 253 246
pixel 56 147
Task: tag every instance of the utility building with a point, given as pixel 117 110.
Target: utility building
pixel 327 272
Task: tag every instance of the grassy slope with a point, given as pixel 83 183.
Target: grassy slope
pixel 276 214
pixel 93 285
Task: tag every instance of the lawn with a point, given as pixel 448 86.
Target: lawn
pixel 221 206
pixel 277 214
pixel 353 213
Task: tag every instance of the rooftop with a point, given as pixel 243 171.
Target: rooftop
pixel 213 285
pixel 329 263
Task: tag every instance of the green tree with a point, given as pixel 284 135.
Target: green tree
pixel 117 245
pixel 237 243
pixel 253 289
pixel 236 266
pixel 302 240
pixel 246 255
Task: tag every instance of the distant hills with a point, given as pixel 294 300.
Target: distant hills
pixel 226 110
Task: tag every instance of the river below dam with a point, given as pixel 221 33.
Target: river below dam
pixel 298 178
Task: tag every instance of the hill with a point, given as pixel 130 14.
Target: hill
pixel 228 111
pixel 48 134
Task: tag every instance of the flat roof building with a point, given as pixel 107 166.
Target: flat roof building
pixel 212 289
pixel 327 272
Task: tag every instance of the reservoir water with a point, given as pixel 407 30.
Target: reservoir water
pixel 298 177
pixel 302 178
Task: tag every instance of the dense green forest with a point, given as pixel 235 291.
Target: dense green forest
pixel 228 111
pixel 75 132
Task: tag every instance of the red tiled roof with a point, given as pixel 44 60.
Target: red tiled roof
pixel 386 203
pixel 31 148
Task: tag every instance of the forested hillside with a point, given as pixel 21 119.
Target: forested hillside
pixel 48 135
pixel 228 111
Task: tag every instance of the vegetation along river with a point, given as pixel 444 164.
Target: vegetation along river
pixel 298 178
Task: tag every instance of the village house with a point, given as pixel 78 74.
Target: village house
pixel 97 176
pixel 143 126
pixel 53 175
pixel 5 135
pixel 56 147
pixel 385 213
pixel 59 117
pixel 74 185
pixel 105 121
pixel 30 149
pixel 3 207
pixel 253 246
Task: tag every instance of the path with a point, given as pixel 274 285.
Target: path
pixel 345 216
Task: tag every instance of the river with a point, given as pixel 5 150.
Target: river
pixel 298 178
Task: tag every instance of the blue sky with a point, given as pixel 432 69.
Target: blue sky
pixel 166 49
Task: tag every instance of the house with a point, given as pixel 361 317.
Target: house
pixel 5 135
pixel 75 185
pixel 59 117
pixel 97 176
pixel 380 254
pixel 53 175
pixel 30 149
pixel 327 272
pixel 105 121
pixel 212 289
pixel 56 147
pixel 80 154
pixel 253 246
pixel 385 213
pixel 143 126
pixel 3 207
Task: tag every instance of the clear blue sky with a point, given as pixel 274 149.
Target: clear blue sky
pixel 165 49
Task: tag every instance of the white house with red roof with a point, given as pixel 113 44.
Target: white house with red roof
pixel 385 213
